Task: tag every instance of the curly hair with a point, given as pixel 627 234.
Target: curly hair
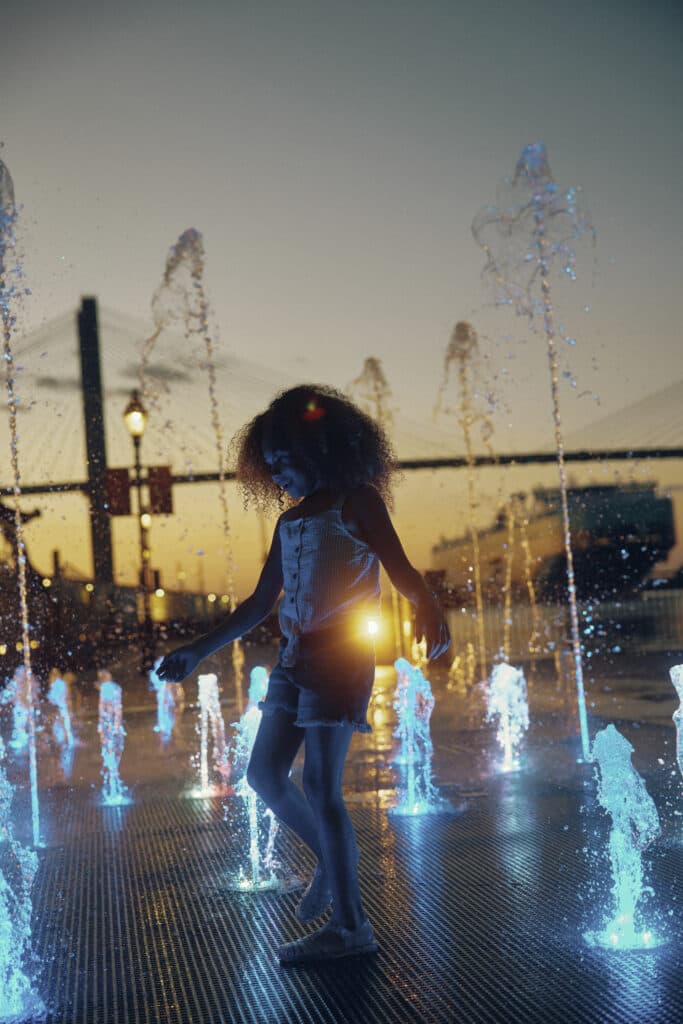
pixel 333 439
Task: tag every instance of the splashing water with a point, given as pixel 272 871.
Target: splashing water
pixel 8 293
pixel 461 352
pixel 18 867
pixel 635 824
pixel 60 697
pixel 264 871
pixel 165 693
pixel 211 721
pixel 507 701
pixel 676 674
pixel 21 691
pixel 534 227
pixel 180 298
pixel 414 703
pixel 112 737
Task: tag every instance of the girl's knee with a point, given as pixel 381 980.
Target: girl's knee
pixel 264 781
pixel 320 791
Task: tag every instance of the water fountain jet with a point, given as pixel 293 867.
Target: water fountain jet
pixel 635 825
pixel 8 294
pixel 534 226
pixel 112 737
pixel 264 873
pixel 507 701
pixel 676 675
pixel 211 726
pixel 165 703
pixel 18 867
pixel 173 295
pixel 414 703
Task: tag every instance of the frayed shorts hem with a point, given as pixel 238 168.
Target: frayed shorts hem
pixel 268 707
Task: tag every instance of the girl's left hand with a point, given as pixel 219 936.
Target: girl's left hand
pixel 430 624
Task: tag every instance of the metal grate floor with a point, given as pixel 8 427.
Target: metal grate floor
pixel 479 918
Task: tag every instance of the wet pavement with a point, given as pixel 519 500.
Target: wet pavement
pixel 479 912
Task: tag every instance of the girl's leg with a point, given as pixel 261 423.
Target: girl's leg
pixel 326 748
pixel 275 747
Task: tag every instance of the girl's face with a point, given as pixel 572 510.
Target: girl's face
pixel 287 472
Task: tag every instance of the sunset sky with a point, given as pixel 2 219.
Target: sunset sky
pixel 333 157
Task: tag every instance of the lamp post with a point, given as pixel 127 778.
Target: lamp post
pixel 135 418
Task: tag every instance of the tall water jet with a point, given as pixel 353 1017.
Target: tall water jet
pixel 18 867
pixel 532 228
pixel 414 704
pixel 676 674
pixel 10 275
pixel 211 727
pixel 264 871
pixel 175 294
pixel 507 701
pixel 461 352
pixel 635 824
pixel 165 694
pixel 112 737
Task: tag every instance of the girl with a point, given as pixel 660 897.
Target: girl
pixel 335 463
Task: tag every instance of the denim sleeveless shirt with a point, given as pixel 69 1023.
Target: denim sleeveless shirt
pixel 329 576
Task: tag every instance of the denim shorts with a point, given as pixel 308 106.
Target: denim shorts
pixel 330 683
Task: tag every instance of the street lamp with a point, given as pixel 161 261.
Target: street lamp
pixel 135 418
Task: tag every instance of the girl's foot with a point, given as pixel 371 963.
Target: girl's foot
pixel 317 897
pixel 332 942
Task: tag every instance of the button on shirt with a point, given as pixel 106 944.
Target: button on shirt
pixel 328 575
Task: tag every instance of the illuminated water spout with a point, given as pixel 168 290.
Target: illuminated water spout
pixel 182 294
pixel 414 703
pixel 507 701
pixel 59 695
pixel 165 694
pixel 533 228
pixel 10 279
pixel 264 871
pixel 211 727
pixel 635 824
pixel 23 697
pixel 112 737
pixel 18 867
pixel 676 674
pixel 462 353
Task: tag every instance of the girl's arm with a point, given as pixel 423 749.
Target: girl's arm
pixel 180 663
pixel 368 510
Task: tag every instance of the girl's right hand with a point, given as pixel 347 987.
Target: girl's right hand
pixel 179 664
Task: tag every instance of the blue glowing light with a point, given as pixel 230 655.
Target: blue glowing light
pixel 211 727
pixel 18 867
pixel 507 701
pixel 165 693
pixel 414 703
pixel 635 824
pixel 263 871
pixel 676 674
pixel 112 737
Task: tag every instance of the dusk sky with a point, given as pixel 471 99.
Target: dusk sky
pixel 333 157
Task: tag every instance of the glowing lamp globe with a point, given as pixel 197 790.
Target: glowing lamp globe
pixel 135 416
